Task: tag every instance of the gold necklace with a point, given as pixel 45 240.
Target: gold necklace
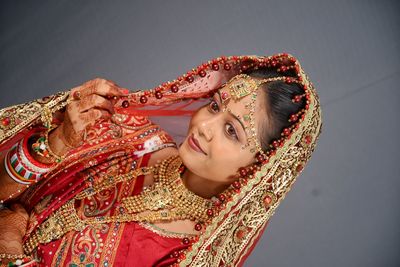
pixel 169 196
pixel 165 201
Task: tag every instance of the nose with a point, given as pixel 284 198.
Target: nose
pixel 206 129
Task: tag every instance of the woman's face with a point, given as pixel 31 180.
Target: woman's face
pixel 213 148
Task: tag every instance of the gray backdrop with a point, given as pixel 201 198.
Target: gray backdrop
pixel 343 209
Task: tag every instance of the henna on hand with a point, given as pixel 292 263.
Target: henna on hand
pixel 89 104
pixel 14 222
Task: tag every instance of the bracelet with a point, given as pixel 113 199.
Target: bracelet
pixel 42 148
pixel 20 260
pixel 16 170
pixel 28 160
pixel 11 256
pixel 20 166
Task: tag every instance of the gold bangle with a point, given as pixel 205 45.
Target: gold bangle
pixel 58 158
pixel 12 256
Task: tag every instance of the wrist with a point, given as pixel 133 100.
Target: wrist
pixel 56 141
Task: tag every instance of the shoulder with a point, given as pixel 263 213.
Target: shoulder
pixel 162 154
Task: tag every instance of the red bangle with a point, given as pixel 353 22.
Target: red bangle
pixel 26 152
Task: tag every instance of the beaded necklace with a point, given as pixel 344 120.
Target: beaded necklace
pixel 165 201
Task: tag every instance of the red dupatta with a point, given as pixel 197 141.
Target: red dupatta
pixel 235 230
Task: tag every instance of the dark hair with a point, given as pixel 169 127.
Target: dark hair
pixel 278 104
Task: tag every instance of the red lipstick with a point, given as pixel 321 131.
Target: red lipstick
pixel 194 144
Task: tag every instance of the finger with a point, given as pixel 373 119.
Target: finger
pixel 94 101
pixel 102 87
pixel 97 86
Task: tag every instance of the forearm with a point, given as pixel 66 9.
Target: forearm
pixel 9 188
pixel 22 166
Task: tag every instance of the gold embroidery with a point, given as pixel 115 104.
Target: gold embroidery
pixel 164 233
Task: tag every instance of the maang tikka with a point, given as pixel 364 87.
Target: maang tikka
pixel 240 86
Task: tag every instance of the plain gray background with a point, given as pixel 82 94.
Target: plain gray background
pixel 344 209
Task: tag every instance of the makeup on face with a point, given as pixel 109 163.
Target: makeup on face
pixel 195 145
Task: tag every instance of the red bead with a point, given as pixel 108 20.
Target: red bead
pixel 299 167
pixel 174 88
pixel 175 254
pixel 190 78
pixel 293 117
pixel 286 131
pixel 224 95
pixel 185 241
pixel 215 66
pixel 259 157
pixel 221 197
pixel 6 121
pixel 210 212
pixel 227 66
pixel 297 98
pixel 242 172
pixel 197 227
pixel 143 99
pixel 125 103
pixel 236 184
pixel 275 143
pixel 202 73
pixel 159 95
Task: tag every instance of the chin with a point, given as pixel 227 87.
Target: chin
pixel 189 157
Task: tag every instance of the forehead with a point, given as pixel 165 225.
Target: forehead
pixel 238 99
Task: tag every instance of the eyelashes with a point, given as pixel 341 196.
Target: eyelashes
pixel 229 129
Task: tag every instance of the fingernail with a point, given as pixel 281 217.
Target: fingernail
pixel 125 91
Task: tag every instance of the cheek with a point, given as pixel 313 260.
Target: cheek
pixel 231 156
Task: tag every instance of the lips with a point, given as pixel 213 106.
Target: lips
pixel 194 144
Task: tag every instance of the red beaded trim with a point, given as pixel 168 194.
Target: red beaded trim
pixel 284 64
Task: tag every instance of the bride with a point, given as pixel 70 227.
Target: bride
pixel 89 180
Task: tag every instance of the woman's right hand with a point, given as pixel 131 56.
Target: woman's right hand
pixel 88 103
pixel 13 223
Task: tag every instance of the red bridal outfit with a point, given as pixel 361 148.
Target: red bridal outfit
pixel 124 145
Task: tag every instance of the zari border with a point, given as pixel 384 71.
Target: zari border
pixel 164 233
pixel 24 115
pixel 246 205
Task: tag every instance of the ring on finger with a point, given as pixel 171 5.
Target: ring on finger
pixel 77 95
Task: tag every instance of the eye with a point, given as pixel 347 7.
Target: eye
pixel 213 106
pixel 230 130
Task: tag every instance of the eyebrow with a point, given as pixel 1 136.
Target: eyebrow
pixel 233 115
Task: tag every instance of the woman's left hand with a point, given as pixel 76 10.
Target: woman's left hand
pixel 13 223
